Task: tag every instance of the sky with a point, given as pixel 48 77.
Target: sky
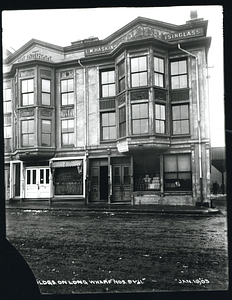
pixel 63 26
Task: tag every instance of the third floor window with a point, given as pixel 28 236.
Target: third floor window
pixel 46 92
pixel 27 92
pixel 108 83
pixel 139 71
pixel 158 71
pixel 179 78
pixel 67 92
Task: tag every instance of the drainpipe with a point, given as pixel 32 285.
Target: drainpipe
pixel 199 122
pixel 86 134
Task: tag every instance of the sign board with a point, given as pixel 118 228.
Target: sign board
pixel 123 147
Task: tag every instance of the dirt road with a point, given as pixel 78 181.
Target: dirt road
pixel 86 251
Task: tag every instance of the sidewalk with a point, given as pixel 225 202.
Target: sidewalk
pixel 104 207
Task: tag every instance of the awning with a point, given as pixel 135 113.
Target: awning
pixel 66 163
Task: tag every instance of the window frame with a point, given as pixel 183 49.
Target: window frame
pixel 69 132
pixel 107 84
pixel 139 118
pixel 121 78
pixel 7 102
pixel 122 121
pixel 159 72
pixel 45 92
pixel 179 74
pixel 160 119
pixel 68 92
pixel 108 126
pixel 43 133
pixel 180 119
pixel 28 133
pixel 27 92
pixel 139 72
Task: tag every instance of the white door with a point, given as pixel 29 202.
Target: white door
pixel 37 183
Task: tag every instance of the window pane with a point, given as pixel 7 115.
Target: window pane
pixel 64 86
pixel 170 163
pixel 65 139
pixel 134 65
pixel 136 126
pixel 31 126
pixel 31 98
pixel 70 98
pixel 46 139
pixel 28 176
pixel 46 99
pixel 31 140
pixel 185 127
pixel 143 110
pixel 175 82
pixel 111 90
pixel 30 85
pixel 34 177
pixel 184 111
pixel 112 133
pixel 46 85
pixel 182 67
pixel 142 63
pixel 104 77
pixel 111 76
pixel 105 121
pixel 135 80
pixel 177 127
pixel 106 134
pixel 176 112
pixel 144 126
pixel 112 119
pixel 174 68
pixel 46 126
pixel 64 126
pixel 122 85
pixel 70 85
pixel 158 65
pixel 7 95
pixel 135 111
pixel 71 125
pixel 143 79
pixel 121 69
pixel 47 175
pixel 171 176
pixel 160 126
pixel 183 81
pixel 183 163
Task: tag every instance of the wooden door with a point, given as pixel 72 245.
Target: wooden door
pixel 121 183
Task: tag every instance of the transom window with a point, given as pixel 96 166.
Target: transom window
pixel 27 92
pixel 177 172
pixel 139 71
pixel 121 76
pixel 158 71
pixel 108 126
pixel 67 132
pixel 67 92
pixel 179 78
pixel 180 119
pixel 7 101
pixel 108 83
pixel 140 118
pixel 46 133
pixel 160 118
pixel 28 133
pixel 46 92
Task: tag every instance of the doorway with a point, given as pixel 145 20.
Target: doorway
pixel 37 183
pixel 104 182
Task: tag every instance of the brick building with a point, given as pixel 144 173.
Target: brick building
pixel 124 119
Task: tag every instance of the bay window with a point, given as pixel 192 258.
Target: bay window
pixel 28 133
pixel 138 71
pixel 180 119
pixel 46 92
pixel 7 101
pixel 158 72
pixel 46 133
pixel 140 118
pixel 160 118
pixel 121 76
pixel 27 92
pixel 122 121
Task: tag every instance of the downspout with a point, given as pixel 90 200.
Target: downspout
pixel 198 120
pixel 86 136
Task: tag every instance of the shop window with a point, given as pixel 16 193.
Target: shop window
pixel 140 118
pixel 28 133
pixel 139 71
pixel 179 78
pixel 160 118
pixel 67 92
pixel 108 126
pixel 46 92
pixel 146 173
pixel 27 92
pixel 68 181
pixel 158 71
pixel 121 76
pixel 180 119
pixel 46 133
pixel 67 132
pixel 177 172
pixel 7 101
pixel 122 121
pixel 107 83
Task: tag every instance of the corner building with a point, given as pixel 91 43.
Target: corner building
pixel 124 119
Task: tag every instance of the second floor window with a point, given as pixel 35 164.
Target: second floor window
pixel 108 83
pixel 158 71
pixel 160 118
pixel 140 118
pixel 46 92
pixel 122 121
pixel 46 133
pixel 108 126
pixel 139 71
pixel 7 137
pixel 27 92
pixel 28 133
pixel 7 101
pixel 179 78
pixel 180 119
pixel 67 92
pixel 67 132
pixel 121 76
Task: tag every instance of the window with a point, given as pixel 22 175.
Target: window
pixel 27 92
pixel 180 119
pixel 108 83
pixel 177 172
pixel 46 133
pixel 7 137
pixel 179 79
pixel 158 71
pixel 160 118
pixel 122 121
pixel 108 126
pixel 140 118
pixel 46 92
pixel 28 133
pixel 67 92
pixel 146 173
pixel 67 132
pixel 7 101
pixel 121 76
pixel 138 71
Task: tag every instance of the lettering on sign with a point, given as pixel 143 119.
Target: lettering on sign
pixel 65 113
pixel 27 113
pixel 142 32
pixel 35 55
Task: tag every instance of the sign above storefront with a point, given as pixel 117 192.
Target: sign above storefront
pixel 123 146
pixel 142 32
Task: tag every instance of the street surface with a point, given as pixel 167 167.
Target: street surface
pixel 95 251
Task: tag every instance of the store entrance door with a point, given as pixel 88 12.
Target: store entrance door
pixel 37 183
pixel 121 183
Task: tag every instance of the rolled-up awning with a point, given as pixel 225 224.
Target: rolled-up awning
pixel 66 163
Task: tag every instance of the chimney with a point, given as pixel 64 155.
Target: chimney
pixel 194 17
